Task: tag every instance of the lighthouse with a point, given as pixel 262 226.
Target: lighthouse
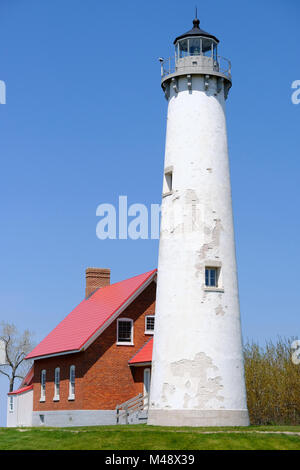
pixel 197 366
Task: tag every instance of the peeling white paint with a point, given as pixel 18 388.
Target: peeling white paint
pixel 197 343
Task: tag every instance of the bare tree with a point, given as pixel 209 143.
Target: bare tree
pixel 16 345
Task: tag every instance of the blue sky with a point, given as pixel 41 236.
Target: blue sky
pixel 85 122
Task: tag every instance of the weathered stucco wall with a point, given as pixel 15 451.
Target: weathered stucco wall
pixel 197 357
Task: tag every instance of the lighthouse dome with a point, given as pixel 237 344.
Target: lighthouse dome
pixel 196 31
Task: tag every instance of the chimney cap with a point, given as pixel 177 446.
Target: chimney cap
pixel 98 270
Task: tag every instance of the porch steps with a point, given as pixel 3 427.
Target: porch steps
pixel 133 411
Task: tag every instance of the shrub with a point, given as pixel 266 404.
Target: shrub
pixel 272 382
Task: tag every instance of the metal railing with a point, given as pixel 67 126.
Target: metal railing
pixel 170 65
pixel 138 403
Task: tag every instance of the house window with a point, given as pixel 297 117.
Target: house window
pixel 149 324
pixel 211 277
pixel 125 331
pixel 147 379
pixel 11 404
pixel 43 385
pixel 56 384
pixel 72 383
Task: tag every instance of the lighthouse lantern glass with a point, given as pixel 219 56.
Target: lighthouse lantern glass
pixel 207 47
pixel 195 45
pixel 215 52
pixel 183 48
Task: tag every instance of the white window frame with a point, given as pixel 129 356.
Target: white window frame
pixel 56 384
pixel 149 332
pixel 43 386
pixel 72 383
pixel 147 371
pixel 168 181
pixel 125 343
pixel 11 404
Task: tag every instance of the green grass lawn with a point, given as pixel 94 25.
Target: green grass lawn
pixel 138 437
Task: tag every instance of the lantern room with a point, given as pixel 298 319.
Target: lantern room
pixel 196 42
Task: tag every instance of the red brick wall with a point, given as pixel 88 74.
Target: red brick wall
pixel 103 377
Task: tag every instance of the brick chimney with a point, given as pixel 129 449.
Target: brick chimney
pixel 95 278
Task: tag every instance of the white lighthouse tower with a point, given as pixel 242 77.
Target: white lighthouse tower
pixel 198 371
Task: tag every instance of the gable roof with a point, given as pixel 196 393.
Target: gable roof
pixel 26 383
pixel 89 319
pixel 21 390
pixel 144 355
pixel 28 378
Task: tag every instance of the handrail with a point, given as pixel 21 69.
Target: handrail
pixel 131 400
pixel 170 65
pixel 130 406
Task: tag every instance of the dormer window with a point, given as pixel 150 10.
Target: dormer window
pixel 125 331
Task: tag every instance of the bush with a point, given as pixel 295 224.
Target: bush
pixel 272 382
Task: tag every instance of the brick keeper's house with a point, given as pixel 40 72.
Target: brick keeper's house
pixel 98 357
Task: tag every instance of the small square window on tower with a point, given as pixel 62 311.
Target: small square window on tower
pixel 211 277
pixel 168 181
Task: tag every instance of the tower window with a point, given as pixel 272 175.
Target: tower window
pixel 211 277
pixel 168 181
pixel 125 331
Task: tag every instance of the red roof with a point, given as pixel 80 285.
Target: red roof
pixel 21 390
pixel 91 317
pixel 28 378
pixel 26 383
pixel 143 355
